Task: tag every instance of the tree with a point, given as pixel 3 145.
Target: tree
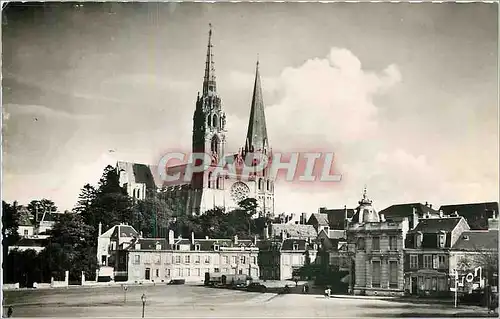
pixel 152 216
pixel 70 248
pixel 38 207
pixel 10 227
pixel 86 199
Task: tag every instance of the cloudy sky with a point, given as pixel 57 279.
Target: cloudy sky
pixel 404 94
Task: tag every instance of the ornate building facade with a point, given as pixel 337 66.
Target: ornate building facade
pixel 212 187
pixel 376 249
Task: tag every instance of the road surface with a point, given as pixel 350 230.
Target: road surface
pixel 200 302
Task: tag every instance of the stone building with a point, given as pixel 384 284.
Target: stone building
pixel 280 258
pixel 160 260
pixel 376 248
pixel 427 254
pixel 201 191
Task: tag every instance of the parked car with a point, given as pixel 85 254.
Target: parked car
pixel 177 282
pixel 256 287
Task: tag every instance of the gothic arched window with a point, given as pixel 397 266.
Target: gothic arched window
pixel 214 120
pixel 260 183
pixel 215 144
pixel 209 179
pixel 138 194
pixel 209 120
pixel 217 183
pixel 268 185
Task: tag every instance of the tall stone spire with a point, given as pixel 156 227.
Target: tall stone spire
pixel 257 131
pixel 209 84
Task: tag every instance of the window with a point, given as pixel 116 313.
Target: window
pixel 254 260
pixel 177 259
pixel 413 261
pixel 435 262
pixel 393 274
pixel 361 244
pixel 234 260
pixel 225 259
pixel 240 271
pixel 137 259
pixel 209 181
pixel 167 272
pixel 207 259
pixel 187 259
pixel 376 273
pixel 197 272
pixel 393 243
pixel 295 246
pixel 26 232
pixel 434 283
pixel 216 270
pixel 427 261
pixel 442 261
pixel 376 243
pixel 197 259
pixel 188 272
pixel 442 240
pixel 103 260
pixel 216 247
pixel 243 259
pixel 197 247
pixel 157 272
pixel 158 246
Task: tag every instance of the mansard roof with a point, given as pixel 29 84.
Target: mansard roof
pixel 406 210
pixel 294 230
pixel 476 214
pixel 436 225
pixel 476 240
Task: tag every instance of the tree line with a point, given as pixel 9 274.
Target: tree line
pixel 72 242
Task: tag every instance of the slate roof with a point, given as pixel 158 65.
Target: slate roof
pixel 124 231
pixel 321 218
pixel 294 230
pixel 303 244
pixel 476 214
pixel 477 240
pixel 140 173
pixel 435 225
pixel 336 217
pixel 406 210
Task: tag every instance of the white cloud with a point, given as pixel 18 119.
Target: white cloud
pixel 325 100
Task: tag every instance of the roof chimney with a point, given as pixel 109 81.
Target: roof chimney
pixel 236 239
pixel 430 205
pixel 171 237
pixel 192 238
pixel 426 204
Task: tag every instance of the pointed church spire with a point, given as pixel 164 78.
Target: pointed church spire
pixel 257 131
pixel 209 78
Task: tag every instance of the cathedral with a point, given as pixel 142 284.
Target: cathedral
pixel 212 188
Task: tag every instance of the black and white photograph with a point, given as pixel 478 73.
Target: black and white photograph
pixel 250 159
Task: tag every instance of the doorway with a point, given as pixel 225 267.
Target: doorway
pixel 148 274
pixel 413 285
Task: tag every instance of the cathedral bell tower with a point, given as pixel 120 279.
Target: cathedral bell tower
pixel 209 120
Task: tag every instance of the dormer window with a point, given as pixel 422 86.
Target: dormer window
pixel 295 246
pixel 177 247
pixel 216 247
pixel 442 239
pixel 197 247
pixel 158 246
pixel 138 246
pixel 315 246
pixel 466 237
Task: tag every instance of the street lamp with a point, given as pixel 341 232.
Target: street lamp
pixel 143 299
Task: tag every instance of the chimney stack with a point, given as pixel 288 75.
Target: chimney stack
pixel 100 228
pixel 430 205
pixel 192 238
pixel 171 237
pixel 382 218
pixel 304 218
pixel 426 204
pixel 236 239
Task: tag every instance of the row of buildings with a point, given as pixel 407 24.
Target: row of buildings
pixel 409 248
